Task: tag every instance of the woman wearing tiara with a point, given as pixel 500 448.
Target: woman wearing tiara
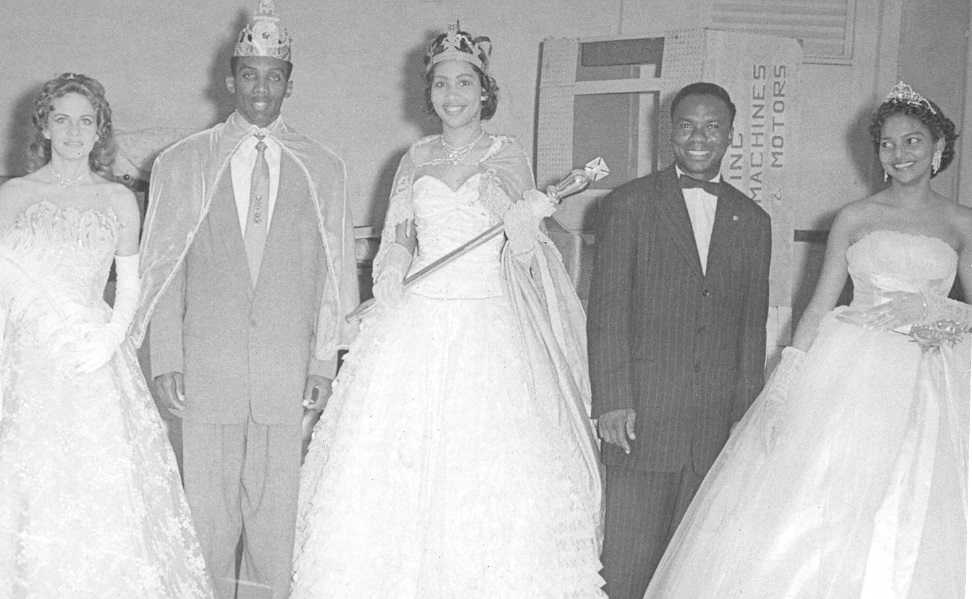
pixel 456 457
pixel 91 504
pixel 848 475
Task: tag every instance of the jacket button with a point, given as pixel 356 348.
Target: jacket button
pixel 698 368
pixel 706 293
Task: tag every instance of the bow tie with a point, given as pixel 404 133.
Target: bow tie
pixel 710 187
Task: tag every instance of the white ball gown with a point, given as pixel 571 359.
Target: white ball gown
pixel 864 493
pixel 445 465
pixel 91 504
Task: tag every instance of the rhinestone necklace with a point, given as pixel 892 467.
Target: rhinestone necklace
pixel 65 182
pixel 458 155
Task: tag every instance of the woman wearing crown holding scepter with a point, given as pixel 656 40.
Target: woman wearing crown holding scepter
pixel 456 456
pixel 848 476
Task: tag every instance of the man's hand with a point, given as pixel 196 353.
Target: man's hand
pixel 317 390
pixel 169 389
pixel 616 427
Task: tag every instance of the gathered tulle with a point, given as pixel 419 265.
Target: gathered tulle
pixel 91 502
pixel 864 492
pixel 434 472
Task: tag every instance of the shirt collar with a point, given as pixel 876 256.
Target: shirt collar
pixel 239 121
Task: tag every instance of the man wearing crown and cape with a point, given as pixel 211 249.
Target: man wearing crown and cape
pixel 247 272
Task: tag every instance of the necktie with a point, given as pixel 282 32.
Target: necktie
pixel 255 235
pixel 710 187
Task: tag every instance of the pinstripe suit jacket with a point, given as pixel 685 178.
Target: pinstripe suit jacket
pixel 685 350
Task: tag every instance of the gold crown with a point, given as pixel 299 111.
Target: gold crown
pixel 264 37
pixel 902 92
pixel 459 45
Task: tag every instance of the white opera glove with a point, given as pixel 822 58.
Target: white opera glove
pixel 521 223
pixel 776 392
pixel 904 308
pixel 388 288
pixel 101 341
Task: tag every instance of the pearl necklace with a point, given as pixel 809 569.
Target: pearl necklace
pixel 64 182
pixel 458 155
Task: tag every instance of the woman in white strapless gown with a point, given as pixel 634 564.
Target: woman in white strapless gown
pixel 848 476
pixel 91 504
pixel 456 457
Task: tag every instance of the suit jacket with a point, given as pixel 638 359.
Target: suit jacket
pixel 245 349
pixel 685 350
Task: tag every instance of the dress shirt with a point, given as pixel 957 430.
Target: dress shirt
pixel 241 169
pixel 701 209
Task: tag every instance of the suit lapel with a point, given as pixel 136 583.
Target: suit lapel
pixel 675 214
pixel 723 232
pixel 290 191
pixel 227 233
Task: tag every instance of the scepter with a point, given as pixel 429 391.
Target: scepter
pixel 575 182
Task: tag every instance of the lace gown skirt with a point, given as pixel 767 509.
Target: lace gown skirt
pixel 91 503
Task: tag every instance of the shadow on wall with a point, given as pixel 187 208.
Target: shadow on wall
pixel 413 111
pixel 19 133
pixel 219 69
pixel 862 151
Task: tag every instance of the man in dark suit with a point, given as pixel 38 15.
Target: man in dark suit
pixel 677 330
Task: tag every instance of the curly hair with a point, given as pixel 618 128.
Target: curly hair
pixel 930 115
pixel 490 92
pixel 103 153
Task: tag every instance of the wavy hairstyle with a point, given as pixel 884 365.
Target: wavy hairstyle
pixel 930 115
pixel 103 153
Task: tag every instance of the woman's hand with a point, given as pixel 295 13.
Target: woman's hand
pixel 903 308
pixel 99 344
pixel 389 289
pixel 522 221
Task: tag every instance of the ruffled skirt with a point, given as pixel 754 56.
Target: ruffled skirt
pixel 432 473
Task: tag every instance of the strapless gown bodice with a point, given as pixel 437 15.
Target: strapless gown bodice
pixel 444 220
pixel 54 264
pixel 886 261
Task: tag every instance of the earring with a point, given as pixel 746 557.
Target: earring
pixel 886 176
pixel 936 162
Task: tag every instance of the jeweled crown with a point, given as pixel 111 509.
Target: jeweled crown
pixel 264 36
pixel 459 45
pixel 902 92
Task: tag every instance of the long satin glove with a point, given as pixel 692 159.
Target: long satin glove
pixel 777 390
pixel 100 342
pixel 388 288
pixel 521 223
pixel 906 308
